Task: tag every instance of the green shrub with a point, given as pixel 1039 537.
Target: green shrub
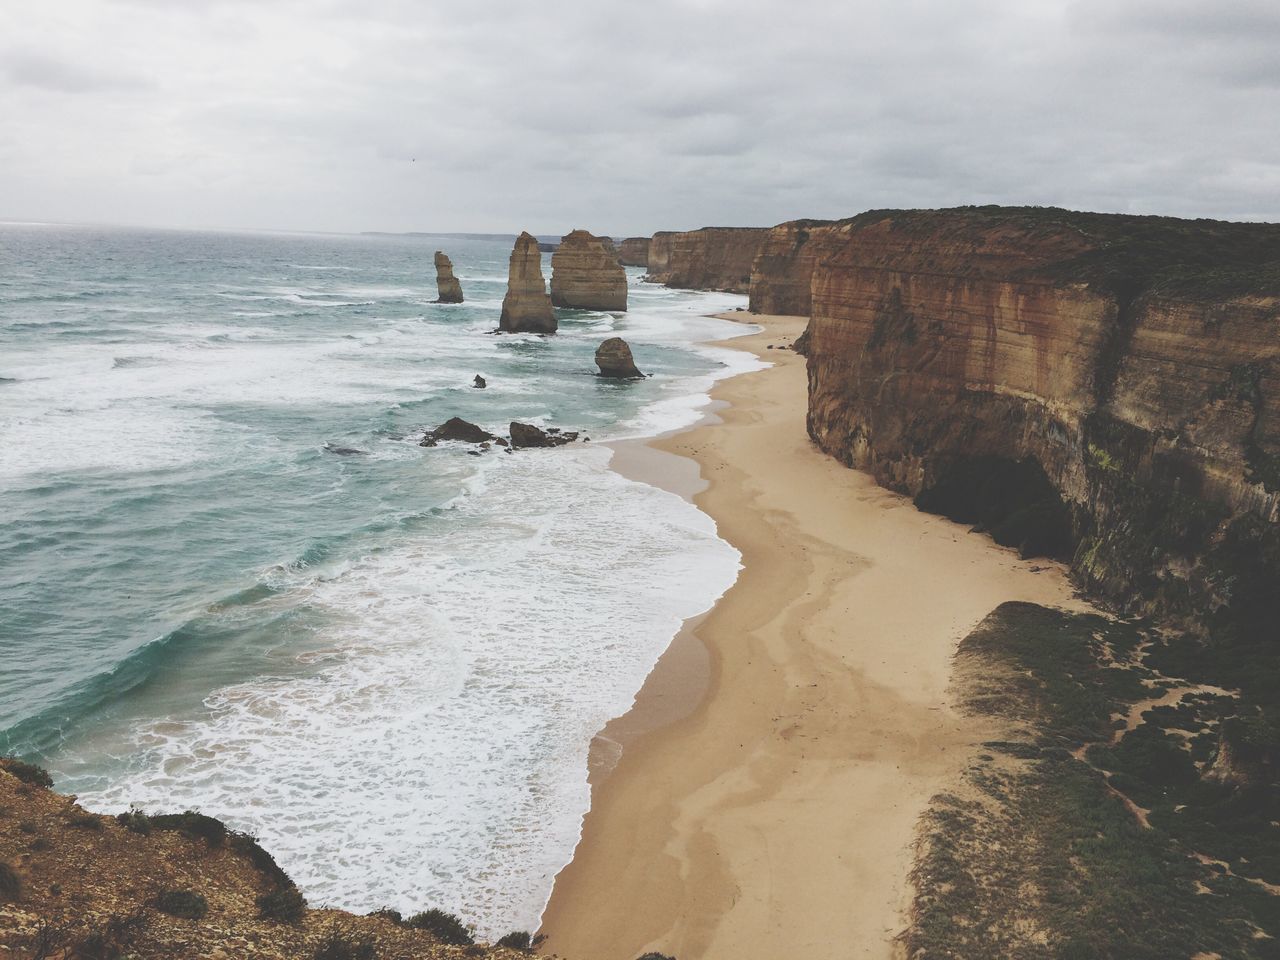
pixel 521 940
pixel 247 845
pixel 135 821
pixel 386 913
pixel 10 883
pixel 654 956
pixel 41 844
pixel 115 940
pixel 185 904
pixel 445 927
pixel 285 905
pixel 342 946
pixel 27 772
pixel 195 825
pixel 85 821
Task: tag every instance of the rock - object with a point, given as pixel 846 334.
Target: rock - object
pixel 455 428
pixel 447 285
pixel 527 435
pixel 586 274
pixel 526 308
pixel 479 382
pixel 634 252
pixel 1120 374
pixel 614 359
pixel 713 258
pixel 782 272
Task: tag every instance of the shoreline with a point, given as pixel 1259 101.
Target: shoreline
pixel 777 757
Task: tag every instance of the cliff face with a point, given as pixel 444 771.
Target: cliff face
pixel 634 252
pixel 586 274
pixel 713 258
pixel 782 273
pixel 526 308
pixel 447 285
pixel 1105 388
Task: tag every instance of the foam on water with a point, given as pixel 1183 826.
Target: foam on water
pixel 439 757
pixel 389 665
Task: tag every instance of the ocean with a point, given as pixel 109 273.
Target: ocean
pixel 232 581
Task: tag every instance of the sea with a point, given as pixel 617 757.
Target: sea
pixel 232 581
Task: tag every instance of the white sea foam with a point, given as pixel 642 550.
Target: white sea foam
pixel 439 755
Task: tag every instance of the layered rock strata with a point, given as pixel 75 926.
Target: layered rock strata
pixel 447 285
pixel 634 252
pixel 1102 387
pixel 713 258
pixel 782 272
pixel 614 359
pixel 526 308
pixel 586 274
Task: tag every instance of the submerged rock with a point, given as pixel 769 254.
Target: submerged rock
pixel 479 382
pixel 447 285
pixel 455 428
pixel 586 274
pixel 526 308
pixel 345 451
pixel 614 359
pixel 527 435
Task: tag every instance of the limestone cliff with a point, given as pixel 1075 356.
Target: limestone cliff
pixel 447 285
pixel 526 308
pixel 782 273
pixel 634 252
pixel 1106 388
pixel 713 258
pixel 586 274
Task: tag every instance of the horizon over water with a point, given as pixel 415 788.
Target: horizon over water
pixel 387 663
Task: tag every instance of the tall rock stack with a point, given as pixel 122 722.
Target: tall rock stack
pixel 526 308
pixel 450 290
pixel 586 274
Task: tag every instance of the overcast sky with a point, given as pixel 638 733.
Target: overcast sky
pixel 630 117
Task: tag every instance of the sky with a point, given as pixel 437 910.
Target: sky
pixel 629 117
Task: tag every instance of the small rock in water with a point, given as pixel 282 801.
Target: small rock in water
pixel 614 359
pixel 455 428
pixel 479 382
pixel 345 451
pixel 527 435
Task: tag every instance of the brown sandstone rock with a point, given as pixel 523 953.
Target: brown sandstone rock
pixel 782 272
pixel 614 359
pixel 586 275
pixel 526 308
pixel 634 252
pixel 713 258
pixel 1132 364
pixel 450 290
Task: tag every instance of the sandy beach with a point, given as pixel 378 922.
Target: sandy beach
pixel 773 769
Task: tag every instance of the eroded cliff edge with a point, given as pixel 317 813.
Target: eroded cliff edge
pixel 1104 388
pixel 712 258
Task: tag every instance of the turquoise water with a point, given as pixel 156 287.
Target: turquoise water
pixel 387 662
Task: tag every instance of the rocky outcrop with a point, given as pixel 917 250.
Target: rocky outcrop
pixel 586 274
pixel 479 382
pixel 526 308
pixel 713 258
pixel 1106 388
pixel 634 252
pixel 614 359
pixel 455 428
pixel 782 273
pixel 450 290
pixel 527 435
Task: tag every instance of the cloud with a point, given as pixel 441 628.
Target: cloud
pixel 626 118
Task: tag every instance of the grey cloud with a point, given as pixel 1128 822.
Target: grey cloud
pixel 30 68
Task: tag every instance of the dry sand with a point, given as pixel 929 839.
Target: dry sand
pixel 776 761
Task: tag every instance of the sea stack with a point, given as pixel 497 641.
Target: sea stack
pixel 614 359
pixel 586 274
pixel 526 308
pixel 447 284
pixel 634 252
